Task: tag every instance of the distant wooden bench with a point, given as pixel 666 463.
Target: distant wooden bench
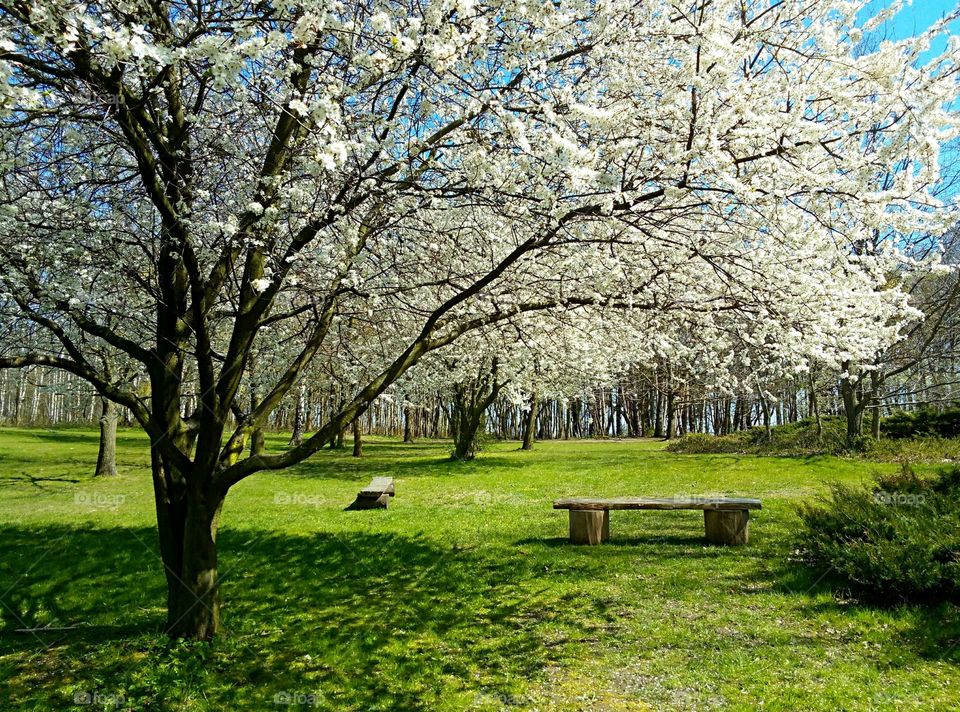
pixel 375 495
pixel 726 519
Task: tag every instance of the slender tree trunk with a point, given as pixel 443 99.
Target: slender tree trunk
pixel 256 437
pixel 437 416
pixel 530 424
pixel 21 394
pixel 765 411
pixel 815 406
pixel 107 456
pixel 875 384
pixel 299 419
pixel 658 415
pixel 407 425
pixel 357 438
pixel 671 423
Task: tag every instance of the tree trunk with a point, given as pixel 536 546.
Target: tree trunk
pixel 357 439
pixel 765 410
pixel 107 457
pixel 658 415
pixel 257 442
pixel 852 406
pixel 299 420
pixel 187 527
pixel 671 423
pixel 468 411
pixel 407 426
pixel 530 424
pixel 875 383
pixel 815 407
pixel 465 444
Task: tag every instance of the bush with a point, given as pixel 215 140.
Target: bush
pixel 898 540
pixel 800 438
pixel 922 423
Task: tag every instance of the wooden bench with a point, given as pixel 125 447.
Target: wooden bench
pixel 726 519
pixel 375 495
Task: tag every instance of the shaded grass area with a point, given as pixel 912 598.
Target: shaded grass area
pixel 462 595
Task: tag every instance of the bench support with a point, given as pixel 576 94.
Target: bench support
pixel 589 526
pixel 375 495
pixel 374 502
pixel 727 527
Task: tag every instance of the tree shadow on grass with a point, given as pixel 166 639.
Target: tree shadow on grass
pixel 40 483
pixel 360 621
pixel 934 627
pixel 126 438
pixel 341 465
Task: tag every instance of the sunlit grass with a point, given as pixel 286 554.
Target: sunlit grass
pixel 463 594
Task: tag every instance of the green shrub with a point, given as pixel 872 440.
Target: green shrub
pixel 800 438
pixel 898 540
pixel 922 423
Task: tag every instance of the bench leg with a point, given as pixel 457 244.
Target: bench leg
pixel 589 526
pixel 727 526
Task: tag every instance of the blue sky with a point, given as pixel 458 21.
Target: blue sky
pixel 909 21
pixel 916 18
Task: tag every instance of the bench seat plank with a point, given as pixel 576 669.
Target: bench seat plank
pixel 378 486
pixel 704 503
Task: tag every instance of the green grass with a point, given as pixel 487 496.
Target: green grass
pixel 463 595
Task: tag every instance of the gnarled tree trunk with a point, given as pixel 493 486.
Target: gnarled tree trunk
pixel 851 392
pixel 468 412
pixel 188 517
pixel 107 456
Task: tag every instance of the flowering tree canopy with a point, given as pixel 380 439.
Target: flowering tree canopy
pixel 183 181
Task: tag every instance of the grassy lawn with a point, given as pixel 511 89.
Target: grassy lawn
pixel 463 595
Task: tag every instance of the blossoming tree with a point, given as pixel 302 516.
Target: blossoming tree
pixel 182 178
